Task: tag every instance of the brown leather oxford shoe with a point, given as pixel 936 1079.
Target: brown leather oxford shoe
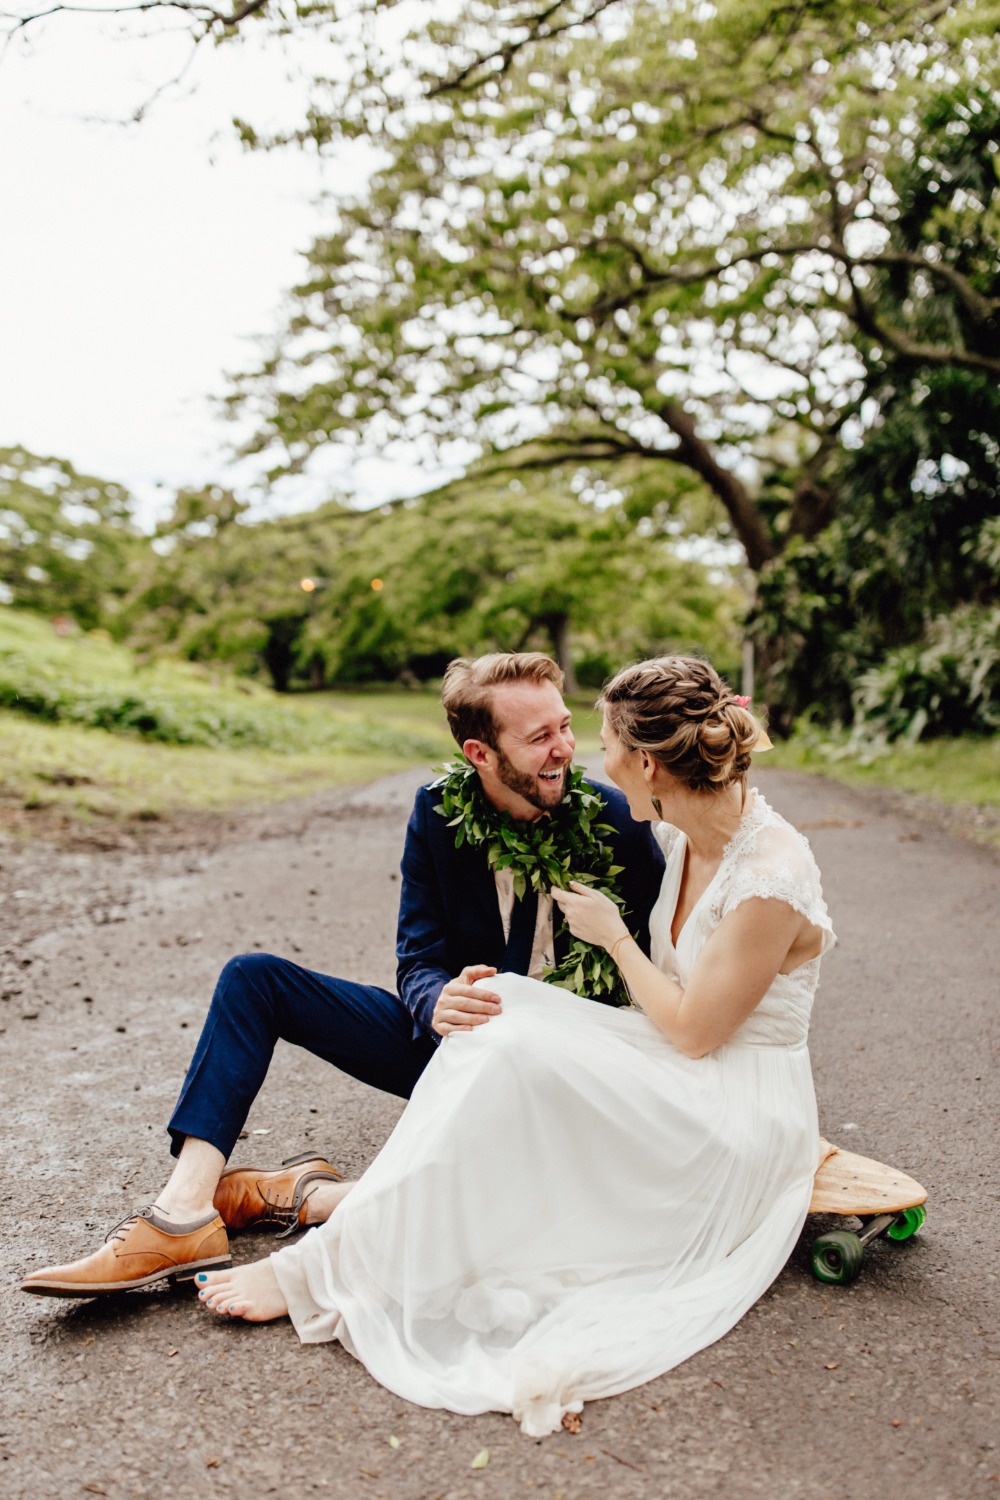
pixel 142 1249
pixel 248 1196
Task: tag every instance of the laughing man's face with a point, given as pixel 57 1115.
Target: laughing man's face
pixel 534 749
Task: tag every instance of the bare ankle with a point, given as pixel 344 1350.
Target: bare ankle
pixel 181 1208
pixel 189 1192
pixel 324 1199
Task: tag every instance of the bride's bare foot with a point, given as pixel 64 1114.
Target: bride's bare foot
pixel 251 1292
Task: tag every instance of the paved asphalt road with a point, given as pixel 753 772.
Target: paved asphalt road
pixel 107 960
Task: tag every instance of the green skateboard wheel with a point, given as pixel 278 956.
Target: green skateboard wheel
pixel 907 1223
pixel 837 1257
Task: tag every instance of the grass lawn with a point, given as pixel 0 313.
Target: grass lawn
pixel 961 773
pixel 952 770
pixel 90 775
pixel 88 734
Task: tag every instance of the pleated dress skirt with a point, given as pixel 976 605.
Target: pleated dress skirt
pixel 568 1207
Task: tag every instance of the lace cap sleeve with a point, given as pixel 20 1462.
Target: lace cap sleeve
pixel 777 865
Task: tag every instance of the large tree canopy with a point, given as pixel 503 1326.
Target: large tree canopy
pixel 734 266
pixel 673 237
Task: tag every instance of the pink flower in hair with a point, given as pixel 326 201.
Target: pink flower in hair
pixel 743 702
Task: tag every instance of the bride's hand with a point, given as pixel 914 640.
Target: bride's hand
pixel 591 914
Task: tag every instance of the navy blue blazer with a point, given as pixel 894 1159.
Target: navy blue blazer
pixel 449 915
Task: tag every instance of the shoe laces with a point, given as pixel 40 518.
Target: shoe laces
pixel 282 1210
pixel 119 1231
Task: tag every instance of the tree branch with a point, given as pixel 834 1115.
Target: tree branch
pixel 201 11
pixel 979 308
pixel 691 452
pixel 901 343
pixel 813 502
pixel 499 59
pixel 695 454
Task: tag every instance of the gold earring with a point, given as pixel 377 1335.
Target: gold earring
pixel 657 807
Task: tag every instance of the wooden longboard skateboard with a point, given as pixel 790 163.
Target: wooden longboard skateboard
pixel 885 1200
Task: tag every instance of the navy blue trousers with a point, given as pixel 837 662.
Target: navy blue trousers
pixel 261 999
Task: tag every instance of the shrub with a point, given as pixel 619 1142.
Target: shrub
pixel 947 684
pixel 90 682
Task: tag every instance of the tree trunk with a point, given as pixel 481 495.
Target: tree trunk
pixel 696 454
pixel 558 628
pixel 279 653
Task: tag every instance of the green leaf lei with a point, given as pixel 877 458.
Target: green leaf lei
pixel 551 852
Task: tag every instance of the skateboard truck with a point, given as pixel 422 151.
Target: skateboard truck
pixel 886 1201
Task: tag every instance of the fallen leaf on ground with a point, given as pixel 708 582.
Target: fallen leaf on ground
pixel 94 1489
pixel 260 1132
pixel 572 1421
pixel 834 1365
pixel 212 1463
pixel 172 1352
pixel 481 1459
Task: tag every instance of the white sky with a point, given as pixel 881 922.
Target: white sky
pixel 138 262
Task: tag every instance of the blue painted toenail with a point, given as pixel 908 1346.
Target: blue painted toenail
pixel 202 1277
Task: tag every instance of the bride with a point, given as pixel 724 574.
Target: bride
pixel 577 1198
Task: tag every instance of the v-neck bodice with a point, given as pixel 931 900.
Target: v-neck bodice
pixel 679 862
pixel 767 858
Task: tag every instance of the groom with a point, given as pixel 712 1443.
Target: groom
pixel 459 922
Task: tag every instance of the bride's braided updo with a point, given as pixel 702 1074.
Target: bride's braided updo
pixel 678 709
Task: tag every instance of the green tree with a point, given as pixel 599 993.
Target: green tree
pixel 500 563
pixel 709 258
pixel 214 587
pixel 910 549
pixel 632 232
pixel 691 249
pixel 487 563
pixel 66 539
pixel 920 492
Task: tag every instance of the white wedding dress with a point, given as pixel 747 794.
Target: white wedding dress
pixel 570 1206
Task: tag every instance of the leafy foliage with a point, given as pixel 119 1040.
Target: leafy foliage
pixel 662 239
pixel 917 540
pixel 65 538
pixel 214 587
pixel 946 684
pixel 565 846
pixel 485 564
pixel 728 272
pixel 735 263
pixel 87 681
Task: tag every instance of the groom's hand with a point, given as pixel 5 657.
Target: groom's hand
pixel 459 1007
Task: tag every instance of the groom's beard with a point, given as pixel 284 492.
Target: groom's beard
pixel 545 795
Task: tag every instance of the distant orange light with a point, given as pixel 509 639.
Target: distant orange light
pixel 377 584
pixel 308 585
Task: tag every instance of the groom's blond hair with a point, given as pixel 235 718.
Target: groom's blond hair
pixel 467 689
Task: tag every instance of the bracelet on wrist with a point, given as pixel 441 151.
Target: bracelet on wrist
pixel 613 950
